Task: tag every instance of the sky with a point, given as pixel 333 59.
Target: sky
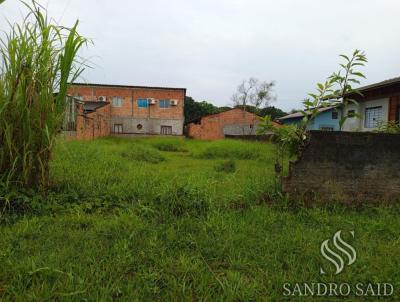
pixel 211 46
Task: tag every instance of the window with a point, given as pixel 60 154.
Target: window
pixel 143 103
pixel 117 101
pixel 165 103
pixel 373 116
pixel 117 128
pixel 335 115
pixel 166 130
pixel 326 128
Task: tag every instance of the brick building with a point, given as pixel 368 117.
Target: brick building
pixel 133 109
pixel 86 120
pixel 232 122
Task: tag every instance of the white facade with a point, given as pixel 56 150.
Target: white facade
pixel 371 114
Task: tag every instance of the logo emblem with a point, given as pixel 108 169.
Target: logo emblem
pixel 335 256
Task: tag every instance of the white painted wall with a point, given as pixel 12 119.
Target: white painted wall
pixel 357 124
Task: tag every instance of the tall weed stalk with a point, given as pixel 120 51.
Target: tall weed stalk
pixel 37 59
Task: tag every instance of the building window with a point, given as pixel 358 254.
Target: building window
pixel 118 128
pixel 143 103
pixel 373 116
pixel 165 103
pixel 326 128
pixel 351 113
pixel 166 130
pixel 117 101
pixel 335 115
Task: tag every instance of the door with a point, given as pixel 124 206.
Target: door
pixel 166 130
pixel 117 128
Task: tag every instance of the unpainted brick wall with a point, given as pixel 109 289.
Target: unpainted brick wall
pixel 93 125
pixel 216 126
pixel 347 167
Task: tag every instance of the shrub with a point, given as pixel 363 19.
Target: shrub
pixel 139 153
pixel 227 166
pixel 37 57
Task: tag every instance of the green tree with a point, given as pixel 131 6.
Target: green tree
pixel 194 110
pixel 273 112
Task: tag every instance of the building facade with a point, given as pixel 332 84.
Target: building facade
pixel 378 105
pixel 137 109
pixel 327 119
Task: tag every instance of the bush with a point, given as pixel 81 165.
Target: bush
pixel 227 166
pixel 142 154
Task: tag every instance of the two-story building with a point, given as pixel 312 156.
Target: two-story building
pixel 137 109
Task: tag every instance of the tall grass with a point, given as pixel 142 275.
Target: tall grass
pixel 38 58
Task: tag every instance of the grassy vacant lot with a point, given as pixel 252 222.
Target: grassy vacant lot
pixel 175 220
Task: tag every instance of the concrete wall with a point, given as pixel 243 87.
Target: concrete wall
pixel 146 125
pixel 347 167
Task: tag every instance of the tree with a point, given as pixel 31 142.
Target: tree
pixel 273 112
pixel 253 93
pixel 195 110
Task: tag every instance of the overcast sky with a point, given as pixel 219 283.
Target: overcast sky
pixel 210 46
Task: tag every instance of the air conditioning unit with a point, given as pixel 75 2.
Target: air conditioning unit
pixel 174 102
pixel 152 101
pixel 102 98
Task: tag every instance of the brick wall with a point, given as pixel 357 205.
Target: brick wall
pixel 93 125
pixel 347 167
pixel 394 107
pixel 135 119
pixel 231 122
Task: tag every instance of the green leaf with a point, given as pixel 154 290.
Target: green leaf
pixel 358 74
pixel 345 57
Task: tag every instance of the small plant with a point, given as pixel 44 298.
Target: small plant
pixel 227 166
pixel 389 127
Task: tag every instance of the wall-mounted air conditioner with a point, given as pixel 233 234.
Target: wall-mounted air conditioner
pixel 102 98
pixel 152 101
pixel 174 102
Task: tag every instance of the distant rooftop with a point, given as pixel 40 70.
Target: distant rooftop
pixel 300 114
pixel 126 86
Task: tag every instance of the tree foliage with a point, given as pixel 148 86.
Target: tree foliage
pixel 254 92
pixel 194 110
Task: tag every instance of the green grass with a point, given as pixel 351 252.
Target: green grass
pixel 118 225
